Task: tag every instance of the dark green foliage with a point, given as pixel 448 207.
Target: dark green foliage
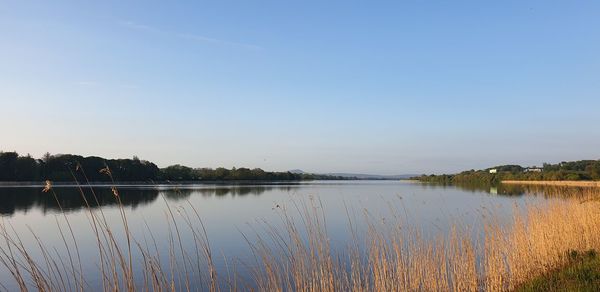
pixel 18 168
pixel 582 273
pixel 509 168
pixel 68 168
pixel 64 167
pixel 179 173
pixel 576 170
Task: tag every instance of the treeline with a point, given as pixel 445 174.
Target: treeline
pixel 70 168
pixel 574 170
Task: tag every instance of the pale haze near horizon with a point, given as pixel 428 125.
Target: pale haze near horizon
pixel 384 88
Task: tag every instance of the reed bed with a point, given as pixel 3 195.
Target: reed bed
pixel 399 258
pixel 561 183
pixel 579 193
pixel 296 254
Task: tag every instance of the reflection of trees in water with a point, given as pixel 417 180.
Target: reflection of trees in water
pixel 470 187
pixel 220 191
pixel 549 191
pixel 513 190
pixel 243 190
pixel 176 194
pixel 70 198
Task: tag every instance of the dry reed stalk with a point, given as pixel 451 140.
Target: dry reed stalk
pixel 298 256
pixel 562 183
pixel 536 241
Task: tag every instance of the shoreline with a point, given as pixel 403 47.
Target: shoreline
pixel 559 183
pixel 66 184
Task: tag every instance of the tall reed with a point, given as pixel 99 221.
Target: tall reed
pixel 396 257
pixel 296 254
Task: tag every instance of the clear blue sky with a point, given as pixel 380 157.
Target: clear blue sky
pixel 324 86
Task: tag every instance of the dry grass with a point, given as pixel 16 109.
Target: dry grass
pixel 581 194
pixel 61 270
pixel 562 183
pixel 399 259
pixel 386 256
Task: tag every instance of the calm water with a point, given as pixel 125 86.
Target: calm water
pixel 231 211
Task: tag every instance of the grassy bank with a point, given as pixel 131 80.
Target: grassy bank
pixel 298 256
pixel 580 273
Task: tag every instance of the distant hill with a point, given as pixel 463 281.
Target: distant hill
pixel 372 176
pixel 359 175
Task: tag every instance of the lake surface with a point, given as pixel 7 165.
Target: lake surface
pixel 231 212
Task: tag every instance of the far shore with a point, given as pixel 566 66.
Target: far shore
pixel 560 183
pixel 13 184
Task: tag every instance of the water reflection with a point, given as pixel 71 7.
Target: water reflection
pixel 72 199
pixel 517 190
pixel 564 192
pixel 23 199
pixel 230 212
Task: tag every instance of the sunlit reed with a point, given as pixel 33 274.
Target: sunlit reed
pixel 296 254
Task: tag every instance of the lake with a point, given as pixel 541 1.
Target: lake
pixel 234 214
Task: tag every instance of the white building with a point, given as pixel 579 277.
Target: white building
pixel 493 170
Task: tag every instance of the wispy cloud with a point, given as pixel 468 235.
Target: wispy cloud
pixel 199 38
pixel 137 26
pixel 129 86
pixel 87 83
pixel 189 36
